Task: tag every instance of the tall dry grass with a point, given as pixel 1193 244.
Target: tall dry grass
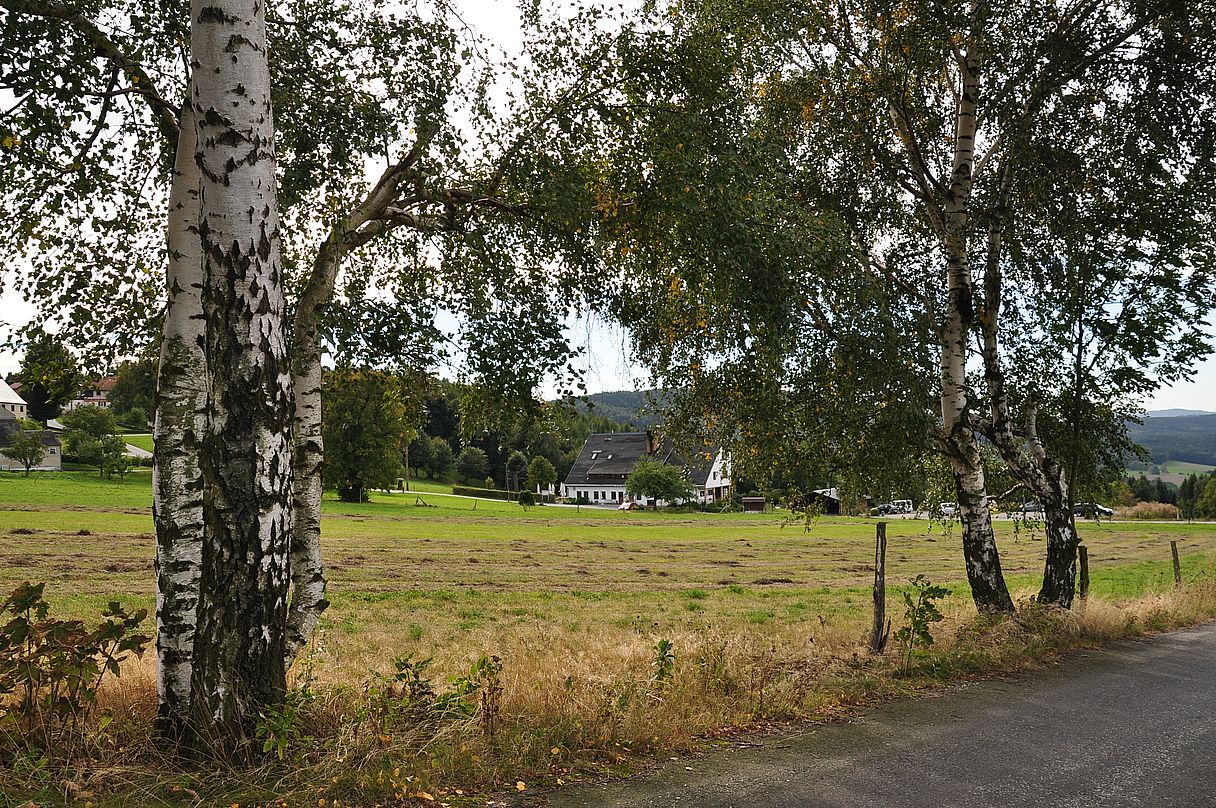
pixel 1148 510
pixel 570 706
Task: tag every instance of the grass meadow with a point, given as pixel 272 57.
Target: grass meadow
pixel 767 618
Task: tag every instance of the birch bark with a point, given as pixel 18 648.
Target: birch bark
pixel 307 571
pixel 238 664
pixel 1026 455
pixel 181 421
pixel 959 439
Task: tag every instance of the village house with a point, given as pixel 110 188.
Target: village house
pixel 11 401
pixel 96 393
pixel 52 458
pixel 608 458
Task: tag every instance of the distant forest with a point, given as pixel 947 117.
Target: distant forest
pixel 1189 438
pixel 631 408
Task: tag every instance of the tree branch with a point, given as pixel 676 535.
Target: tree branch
pixel 166 114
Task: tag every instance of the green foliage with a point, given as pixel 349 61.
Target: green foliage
pixel 471 464
pixel 50 375
pixel 90 421
pixel 133 395
pixel 541 473
pixel 90 439
pixel 921 613
pixel 279 727
pixel 659 481
pixel 135 418
pixel 1189 438
pixel 368 418
pixel 527 499
pixel 25 447
pixel 420 453
pixel 664 662
pixel 50 669
pixel 482 493
pixel 517 470
pixel 440 460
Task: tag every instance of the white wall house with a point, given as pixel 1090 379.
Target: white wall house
pixel 608 458
pixel 52 449
pixel 12 402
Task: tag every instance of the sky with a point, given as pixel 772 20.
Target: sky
pixel 605 360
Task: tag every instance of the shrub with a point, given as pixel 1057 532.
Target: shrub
pixel 50 670
pixel 527 498
pixel 921 613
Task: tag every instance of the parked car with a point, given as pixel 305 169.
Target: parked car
pixel 948 508
pixel 902 506
pixel 1031 507
pixel 886 508
pixel 1092 510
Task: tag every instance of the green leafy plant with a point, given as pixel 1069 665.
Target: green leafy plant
pixel 279 727
pixel 51 670
pixel 922 612
pixel 664 662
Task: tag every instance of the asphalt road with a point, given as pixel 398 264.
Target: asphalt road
pixel 1131 725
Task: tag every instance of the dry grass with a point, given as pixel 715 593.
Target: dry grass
pixel 1148 510
pixel 571 710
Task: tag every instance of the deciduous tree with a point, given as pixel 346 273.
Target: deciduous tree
pixel 25 446
pixel 441 458
pixel 368 419
pixel 471 464
pixel 50 375
pixel 541 473
pixel 658 481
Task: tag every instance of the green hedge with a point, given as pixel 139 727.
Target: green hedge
pixel 483 493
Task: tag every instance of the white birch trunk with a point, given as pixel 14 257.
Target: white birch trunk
pixel 246 457
pixel 181 420
pixel 1026 456
pixel 959 440
pixel 307 571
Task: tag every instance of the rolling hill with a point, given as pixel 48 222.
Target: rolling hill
pixel 630 407
pixel 1187 438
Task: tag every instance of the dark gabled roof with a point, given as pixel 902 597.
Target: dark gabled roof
pixel 610 457
pixel 9 427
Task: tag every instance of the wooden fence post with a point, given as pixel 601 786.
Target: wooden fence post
pixel 882 626
pixel 1177 566
pixel 1083 551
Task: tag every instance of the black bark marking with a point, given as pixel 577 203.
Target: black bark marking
pixel 212 118
pixel 232 138
pixel 215 14
pixel 234 43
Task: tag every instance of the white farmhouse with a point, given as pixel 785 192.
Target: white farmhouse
pixel 608 458
pixel 11 401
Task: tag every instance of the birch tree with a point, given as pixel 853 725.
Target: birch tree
pixel 239 662
pixel 354 86
pixel 912 133
pixel 1100 277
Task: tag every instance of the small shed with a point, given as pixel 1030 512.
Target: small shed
pixel 753 504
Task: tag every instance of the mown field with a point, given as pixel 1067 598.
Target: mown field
pixel 768 620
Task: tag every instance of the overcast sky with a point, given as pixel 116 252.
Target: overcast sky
pixel 606 363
